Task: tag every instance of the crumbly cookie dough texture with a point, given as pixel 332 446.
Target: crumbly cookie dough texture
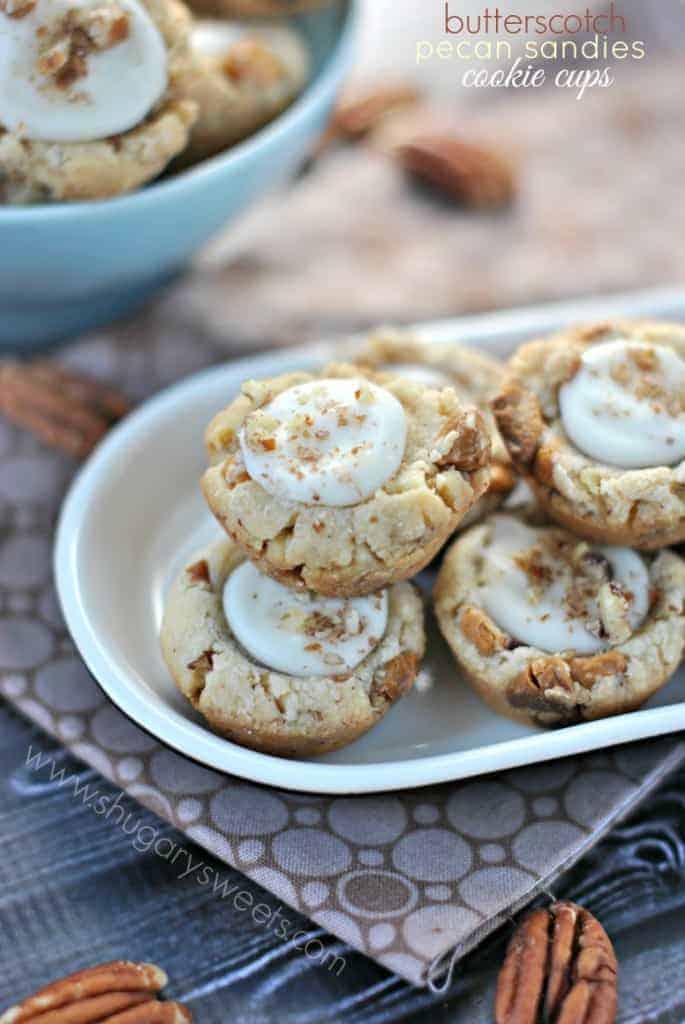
pixel 238 93
pixel 476 378
pixel 45 172
pixel 353 550
pixel 542 689
pixel 255 8
pixel 266 710
pixel 640 508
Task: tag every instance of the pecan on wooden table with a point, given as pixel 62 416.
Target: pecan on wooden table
pixel 560 968
pixel 121 992
pixel 65 410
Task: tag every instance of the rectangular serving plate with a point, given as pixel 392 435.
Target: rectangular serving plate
pixel 437 733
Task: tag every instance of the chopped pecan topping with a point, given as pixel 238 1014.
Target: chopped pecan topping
pixel 67 46
pixel 106 26
pixel 560 967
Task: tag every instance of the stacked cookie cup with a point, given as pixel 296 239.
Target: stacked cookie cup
pixel 298 630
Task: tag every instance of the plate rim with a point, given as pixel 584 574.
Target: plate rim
pixel 313 776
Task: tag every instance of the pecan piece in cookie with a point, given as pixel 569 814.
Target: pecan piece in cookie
pixel 587 671
pixel 533 689
pixel 481 631
pixel 518 417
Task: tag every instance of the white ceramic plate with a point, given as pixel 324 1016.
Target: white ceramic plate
pixel 134 514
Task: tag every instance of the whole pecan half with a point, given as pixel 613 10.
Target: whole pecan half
pixel 466 172
pixel 360 113
pixel 121 992
pixel 560 968
pixel 65 410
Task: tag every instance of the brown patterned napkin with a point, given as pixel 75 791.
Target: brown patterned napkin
pixel 413 879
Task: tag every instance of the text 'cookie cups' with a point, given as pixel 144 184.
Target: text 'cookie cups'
pixel 89 99
pixel 595 419
pixel 551 631
pixel 359 656
pixel 475 376
pixel 335 484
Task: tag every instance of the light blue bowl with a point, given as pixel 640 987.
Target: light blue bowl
pixel 69 267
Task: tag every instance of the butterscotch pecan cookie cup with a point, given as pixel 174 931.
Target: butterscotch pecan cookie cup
pixel 475 376
pixel 340 665
pixel 240 77
pixel 339 485
pixel 595 420
pixel 551 631
pixel 102 111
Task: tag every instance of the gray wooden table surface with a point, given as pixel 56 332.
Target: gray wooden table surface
pixel 74 890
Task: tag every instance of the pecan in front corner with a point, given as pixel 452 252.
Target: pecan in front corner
pixel 560 968
pixel 121 992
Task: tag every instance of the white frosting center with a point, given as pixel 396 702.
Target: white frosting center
pixel 327 442
pixel 429 376
pixel 626 405
pixel 301 634
pixel 551 591
pixel 79 71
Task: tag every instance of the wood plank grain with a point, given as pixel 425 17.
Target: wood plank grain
pixel 73 891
